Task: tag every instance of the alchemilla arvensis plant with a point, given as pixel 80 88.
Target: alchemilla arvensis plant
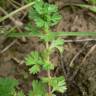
pixel 44 16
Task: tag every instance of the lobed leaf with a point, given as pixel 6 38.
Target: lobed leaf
pixel 48 66
pixel 58 84
pixel 35 69
pixel 7 86
pixel 35 61
pixel 38 89
pixel 20 94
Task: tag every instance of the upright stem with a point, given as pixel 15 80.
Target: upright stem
pixel 48 72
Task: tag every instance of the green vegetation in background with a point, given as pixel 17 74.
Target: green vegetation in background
pixel 92 2
pixel 8 87
pixel 91 7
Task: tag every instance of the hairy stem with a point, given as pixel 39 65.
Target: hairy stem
pixel 48 72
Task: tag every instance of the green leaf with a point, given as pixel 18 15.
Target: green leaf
pixel 24 34
pixel 48 66
pixel 55 18
pixel 57 42
pixel 90 7
pixel 48 37
pixel 49 9
pixel 35 61
pixel 38 89
pixel 60 34
pixel 35 69
pixel 32 14
pixel 7 86
pixel 58 84
pixel 45 79
pixel 51 35
pixel 52 8
pixel 44 14
pixel 53 95
pixel 20 93
pixel 34 58
pixel 39 6
pixel 60 48
pixel 92 1
pixel 39 22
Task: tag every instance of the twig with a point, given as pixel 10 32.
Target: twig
pixel 16 3
pixel 7 47
pixel 12 3
pixel 16 11
pixel 11 18
pixel 89 52
pixel 20 62
pixel 63 67
pixel 17 23
pixel 78 68
pixel 74 58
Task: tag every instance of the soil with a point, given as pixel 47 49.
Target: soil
pixel 78 60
